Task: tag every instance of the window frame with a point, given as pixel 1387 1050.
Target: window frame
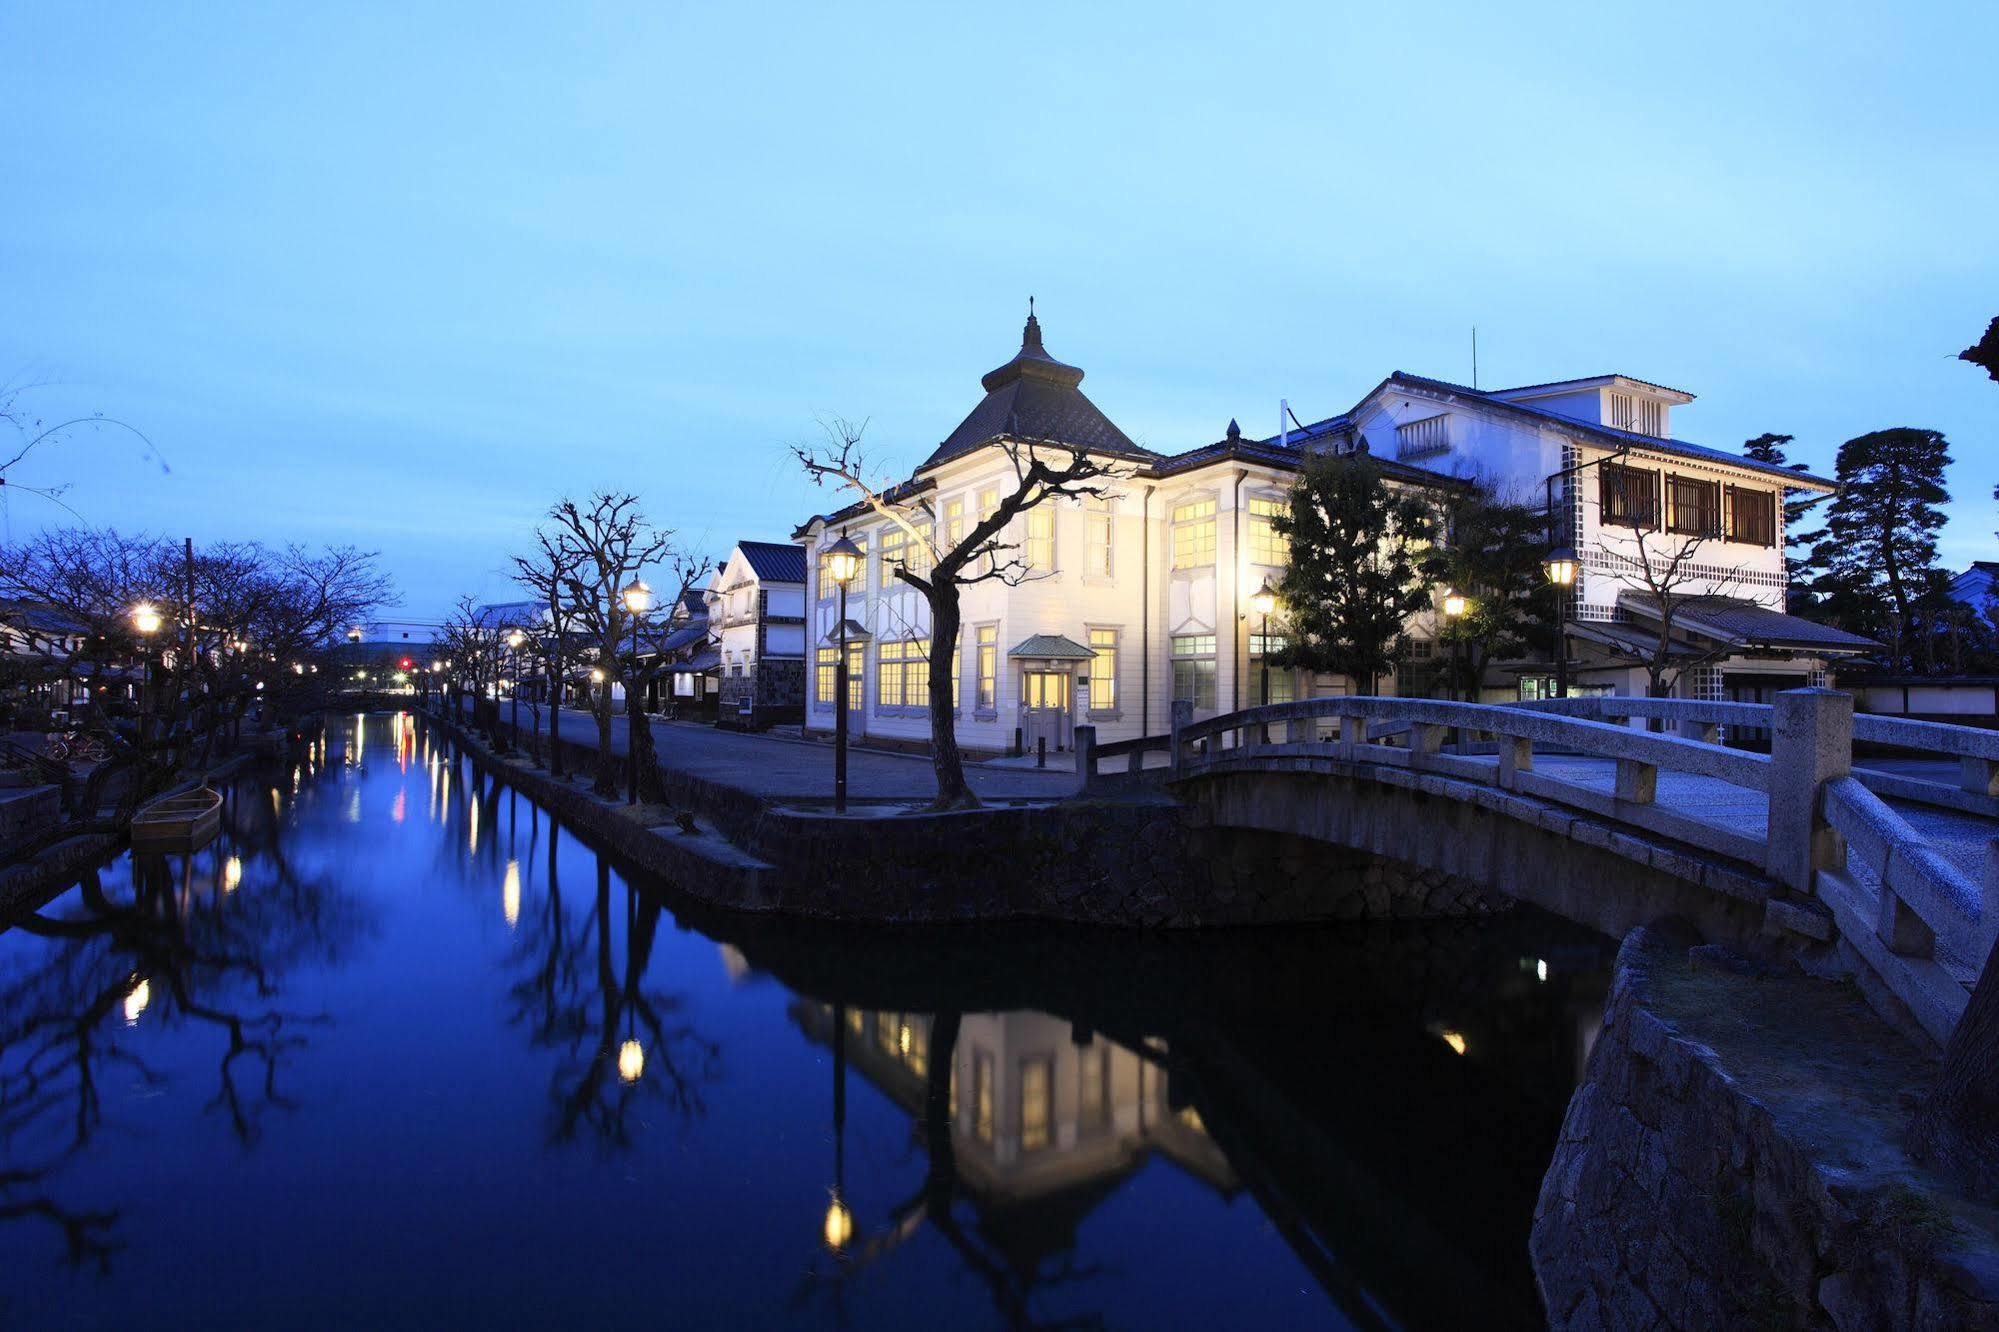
pixel 1711 511
pixel 1108 710
pixel 1264 538
pixel 1765 503
pixel 1184 554
pixel 1615 480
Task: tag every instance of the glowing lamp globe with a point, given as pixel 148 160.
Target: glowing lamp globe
pixel 843 560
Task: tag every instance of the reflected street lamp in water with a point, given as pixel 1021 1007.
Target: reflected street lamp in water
pixel 843 560
pixel 631 1060
pixel 839 1227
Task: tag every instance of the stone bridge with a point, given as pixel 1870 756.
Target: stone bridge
pixel 1618 811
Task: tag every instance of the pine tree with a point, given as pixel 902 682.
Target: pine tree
pixel 1880 539
pixel 1357 569
pixel 1769 448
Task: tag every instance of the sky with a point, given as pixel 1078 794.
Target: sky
pixel 402 276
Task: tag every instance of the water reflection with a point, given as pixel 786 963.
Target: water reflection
pixel 395 999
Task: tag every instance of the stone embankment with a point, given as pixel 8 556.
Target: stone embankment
pixel 1734 1159
pixel 1113 863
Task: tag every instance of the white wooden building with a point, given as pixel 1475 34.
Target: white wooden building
pixel 1145 596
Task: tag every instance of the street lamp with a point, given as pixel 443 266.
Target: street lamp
pixel 146 619
pixel 638 600
pixel 1263 601
pixel 514 641
pixel 1560 566
pixel 843 560
pixel 354 633
pixel 1454 610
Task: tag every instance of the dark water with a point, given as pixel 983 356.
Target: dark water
pixel 398 1051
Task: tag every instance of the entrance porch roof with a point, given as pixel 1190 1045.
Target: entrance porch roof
pixel 1742 623
pixel 1052 647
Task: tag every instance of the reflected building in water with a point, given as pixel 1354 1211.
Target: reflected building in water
pixel 1046 1120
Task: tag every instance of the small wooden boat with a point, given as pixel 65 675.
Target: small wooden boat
pixel 178 823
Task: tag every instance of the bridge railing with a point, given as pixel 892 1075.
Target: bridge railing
pixel 1413 733
pixel 1975 748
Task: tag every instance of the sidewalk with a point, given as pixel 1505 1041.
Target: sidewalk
pixel 778 768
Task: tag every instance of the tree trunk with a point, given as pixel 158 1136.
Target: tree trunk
pixel 953 791
pixel 1957 1128
pixel 608 767
pixel 941 1181
pixel 638 731
pixel 555 715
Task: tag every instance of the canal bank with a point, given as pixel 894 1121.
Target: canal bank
pixel 1735 1158
pixel 1132 863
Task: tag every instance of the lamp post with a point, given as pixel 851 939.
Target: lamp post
pixel 1264 601
pixel 839 1226
pixel 514 641
pixel 843 561
pixel 146 619
pixel 1561 566
pixel 1454 610
pixel 638 600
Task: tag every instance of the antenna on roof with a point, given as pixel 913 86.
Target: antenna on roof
pixel 1283 423
pixel 1474 353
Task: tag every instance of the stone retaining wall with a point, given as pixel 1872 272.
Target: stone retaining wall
pixel 1760 1184
pixel 1108 863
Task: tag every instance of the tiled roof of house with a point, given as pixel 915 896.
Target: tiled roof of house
pixel 1035 397
pixel 1746 624
pixel 1273 454
pixel 1609 434
pixel 774 562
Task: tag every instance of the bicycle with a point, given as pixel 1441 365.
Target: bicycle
pixel 63 747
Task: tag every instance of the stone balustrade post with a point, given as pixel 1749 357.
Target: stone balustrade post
pixel 1182 718
pixel 1811 742
pixel 1988 898
pixel 1086 754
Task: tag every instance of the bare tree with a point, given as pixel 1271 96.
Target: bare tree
pixel 1669 572
pixel 472 635
pixel 612 543
pixel 548 572
pixel 1043 471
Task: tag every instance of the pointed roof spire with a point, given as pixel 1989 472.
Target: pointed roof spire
pixel 1235 431
pixel 1030 337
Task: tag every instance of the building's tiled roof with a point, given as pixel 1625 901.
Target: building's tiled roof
pixel 1745 624
pixel 513 612
pixel 1053 647
pixel 893 495
pixel 1035 397
pixel 1608 433
pixel 40 619
pixel 1587 381
pixel 774 562
pixel 1272 454
pixel 684 636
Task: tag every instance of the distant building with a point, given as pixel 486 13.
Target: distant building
pixel 1974 586
pixel 756 620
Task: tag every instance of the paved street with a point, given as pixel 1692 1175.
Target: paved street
pixel 785 769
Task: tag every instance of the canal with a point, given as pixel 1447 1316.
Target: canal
pixel 397 1050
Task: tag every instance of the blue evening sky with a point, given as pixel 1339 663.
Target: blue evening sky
pixel 401 275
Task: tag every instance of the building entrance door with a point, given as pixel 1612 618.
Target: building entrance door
pixel 1044 708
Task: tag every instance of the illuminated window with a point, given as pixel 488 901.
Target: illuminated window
pixel 982 1096
pixel 1266 544
pixel 988 666
pixel 1194 534
pixel 824 671
pixel 956 701
pixel 856 685
pixel 1100 528
pixel 892 553
pixel 1693 508
pixel 1037 1103
pixel 1194 669
pixel 902 673
pixel 1628 495
pixel 954 523
pixel 1103 671
pixel 1041 539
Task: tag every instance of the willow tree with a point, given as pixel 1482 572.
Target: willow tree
pixel 1358 568
pixel 949 561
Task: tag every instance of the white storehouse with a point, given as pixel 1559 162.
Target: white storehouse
pixel 1145 597
pixel 756 620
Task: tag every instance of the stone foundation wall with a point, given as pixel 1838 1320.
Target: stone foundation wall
pixel 1761 1187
